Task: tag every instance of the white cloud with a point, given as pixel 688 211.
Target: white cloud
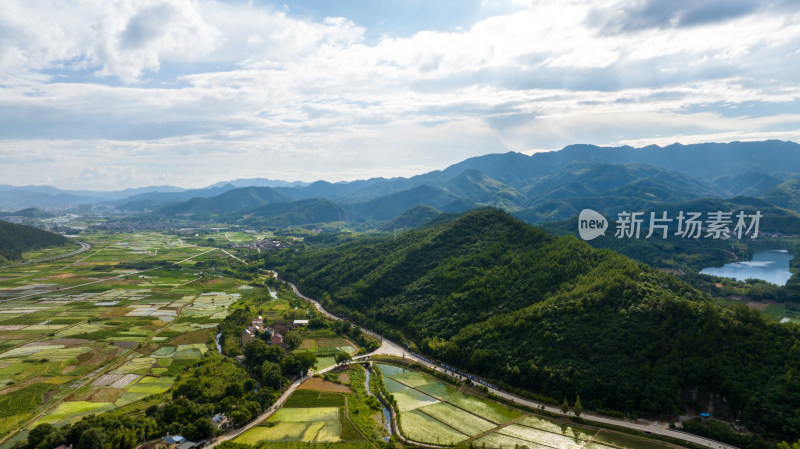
pixel 256 90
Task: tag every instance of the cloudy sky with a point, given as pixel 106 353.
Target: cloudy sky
pixel 105 94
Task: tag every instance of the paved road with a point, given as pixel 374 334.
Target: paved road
pixel 267 413
pixel 390 348
pixel 84 247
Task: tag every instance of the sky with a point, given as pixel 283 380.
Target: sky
pixel 106 95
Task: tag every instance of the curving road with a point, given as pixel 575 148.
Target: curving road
pixel 84 247
pixel 391 348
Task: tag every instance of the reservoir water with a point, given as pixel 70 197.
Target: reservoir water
pixel 768 265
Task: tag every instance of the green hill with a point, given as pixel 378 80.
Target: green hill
pixel 412 218
pixel 16 239
pixel 474 186
pixel 555 317
pixel 749 183
pixel 231 201
pixel 390 206
pixel 608 188
pixel 786 195
pixel 297 213
pixel 30 212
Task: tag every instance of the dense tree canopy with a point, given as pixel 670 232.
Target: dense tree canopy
pixel 552 316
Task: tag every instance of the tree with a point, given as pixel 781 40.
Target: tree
pixel 479 358
pixel 306 361
pixel 564 406
pixel 271 375
pixel 255 352
pixel 577 408
pixel 342 357
pixel 785 445
pixel 93 438
pixel 204 427
pixel 292 339
pixel 240 417
pixel 39 433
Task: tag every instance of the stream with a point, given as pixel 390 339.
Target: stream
pixel 219 348
pixel 387 416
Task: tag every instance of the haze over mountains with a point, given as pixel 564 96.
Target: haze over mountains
pixel 543 187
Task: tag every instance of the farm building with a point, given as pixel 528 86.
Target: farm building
pixel 221 421
pixel 277 339
pixel 170 442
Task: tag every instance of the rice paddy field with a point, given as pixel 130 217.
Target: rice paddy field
pixel 107 327
pixel 433 412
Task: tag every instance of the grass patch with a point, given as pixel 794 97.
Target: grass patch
pixel 628 441
pixel 414 379
pixel 420 427
pixel 390 370
pixel 491 411
pixel 499 441
pixel 23 400
pixel 412 399
pixel 542 437
pixel 69 412
pixel 563 429
pixel 314 398
pixel 463 421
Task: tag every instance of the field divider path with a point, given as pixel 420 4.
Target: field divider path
pixel 347 417
pixel 46 335
pixel 495 429
pixel 92 376
pixel 592 439
pixel 111 365
pixel 61 289
pixel 192 257
pixel 93 254
pixel 231 255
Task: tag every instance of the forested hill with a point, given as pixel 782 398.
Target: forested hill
pixel 555 317
pixel 16 239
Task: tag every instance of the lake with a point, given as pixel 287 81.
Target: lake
pixel 768 265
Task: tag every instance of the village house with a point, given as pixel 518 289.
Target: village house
pixel 252 331
pixel 175 442
pixel 221 421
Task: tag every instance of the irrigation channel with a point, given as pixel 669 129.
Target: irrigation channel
pixel 387 415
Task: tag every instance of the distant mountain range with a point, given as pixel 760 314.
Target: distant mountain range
pixel 543 187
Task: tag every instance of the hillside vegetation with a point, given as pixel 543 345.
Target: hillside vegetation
pixel 16 239
pixel 555 317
